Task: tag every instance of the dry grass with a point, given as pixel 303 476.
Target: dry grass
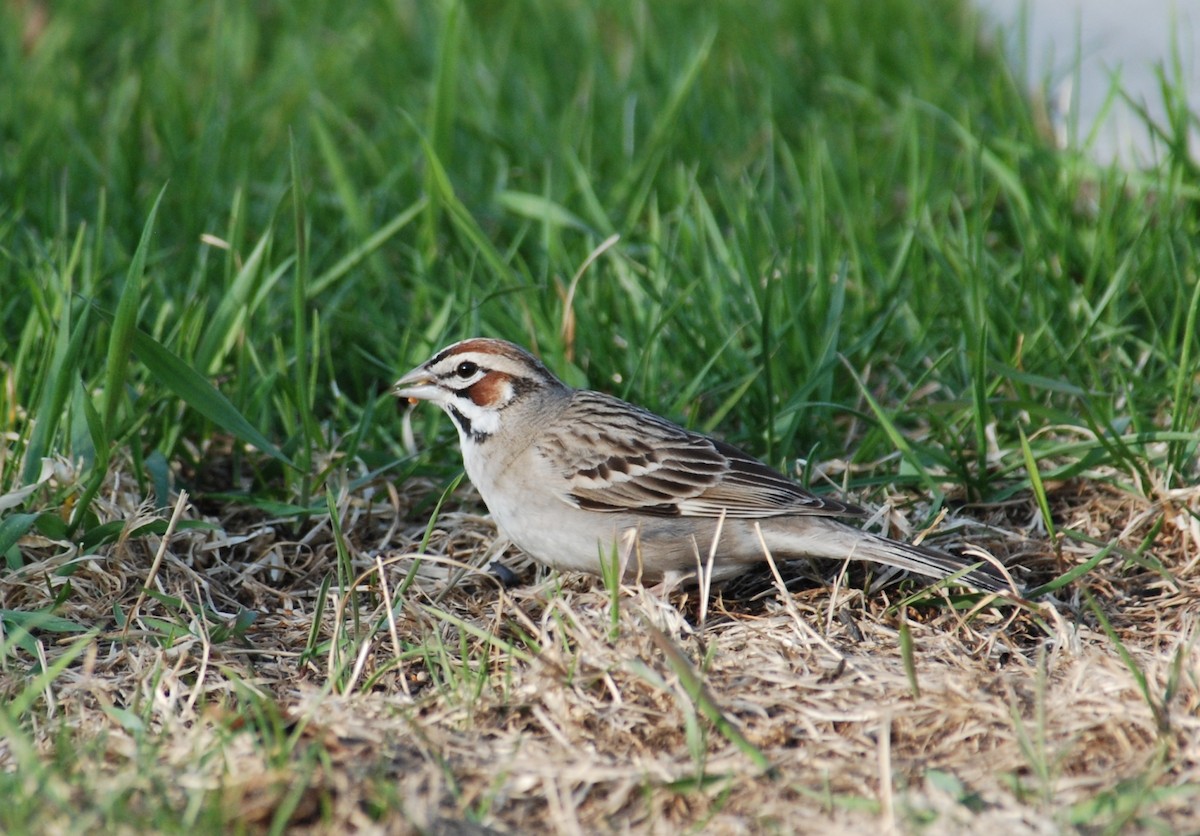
pixel 532 707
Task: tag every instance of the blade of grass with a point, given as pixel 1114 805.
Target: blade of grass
pixel 639 174
pixel 429 528
pixel 360 253
pixel 301 344
pixel 1039 490
pixel 441 188
pixel 1162 717
pixel 483 635
pixel 61 369
pixel 439 120
pixel 226 323
pixel 696 691
pixel 895 436
pixel 18 705
pixel 981 414
pixel 1183 413
pixel 120 347
pixel 124 324
pixel 1073 574
pixel 907 655
pixel 194 390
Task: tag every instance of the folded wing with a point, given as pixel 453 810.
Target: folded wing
pixel 616 457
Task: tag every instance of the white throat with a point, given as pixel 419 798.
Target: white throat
pixel 475 423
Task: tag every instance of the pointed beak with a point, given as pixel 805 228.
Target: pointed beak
pixel 417 385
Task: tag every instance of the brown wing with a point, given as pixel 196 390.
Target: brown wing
pixel 618 457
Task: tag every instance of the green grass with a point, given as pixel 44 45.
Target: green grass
pixel 225 228
pixel 835 191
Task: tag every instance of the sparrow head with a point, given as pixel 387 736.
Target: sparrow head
pixel 475 380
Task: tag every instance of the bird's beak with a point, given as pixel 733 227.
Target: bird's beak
pixel 417 385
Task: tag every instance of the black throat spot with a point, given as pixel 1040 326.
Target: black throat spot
pixel 465 425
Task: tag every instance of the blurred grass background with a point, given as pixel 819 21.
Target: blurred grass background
pixel 346 186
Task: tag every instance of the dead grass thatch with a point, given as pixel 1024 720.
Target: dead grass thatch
pixel 472 706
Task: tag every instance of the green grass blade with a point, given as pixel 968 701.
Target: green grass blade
pixel 226 323
pixel 1035 480
pixel 360 253
pixel 63 368
pixel 908 656
pixel 193 389
pixel 440 117
pixel 981 412
pixel 460 216
pixel 1157 708
pixel 539 208
pixel 12 528
pixel 1073 574
pixel 18 705
pixel 895 436
pixel 694 687
pixel 124 324
pixel 665 121
pixel 1184 411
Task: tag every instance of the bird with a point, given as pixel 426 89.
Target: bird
pixel 574 477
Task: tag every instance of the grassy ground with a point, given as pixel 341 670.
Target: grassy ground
pixel 835 233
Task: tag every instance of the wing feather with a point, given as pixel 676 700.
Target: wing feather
pixel 617 457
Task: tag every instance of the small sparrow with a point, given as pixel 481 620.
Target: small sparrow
pixel 573 477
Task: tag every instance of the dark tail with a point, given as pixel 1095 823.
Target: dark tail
pixel 828 538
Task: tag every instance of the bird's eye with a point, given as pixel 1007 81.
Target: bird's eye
pixel 466 369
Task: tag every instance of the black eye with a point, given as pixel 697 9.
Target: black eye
pixel 466 369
